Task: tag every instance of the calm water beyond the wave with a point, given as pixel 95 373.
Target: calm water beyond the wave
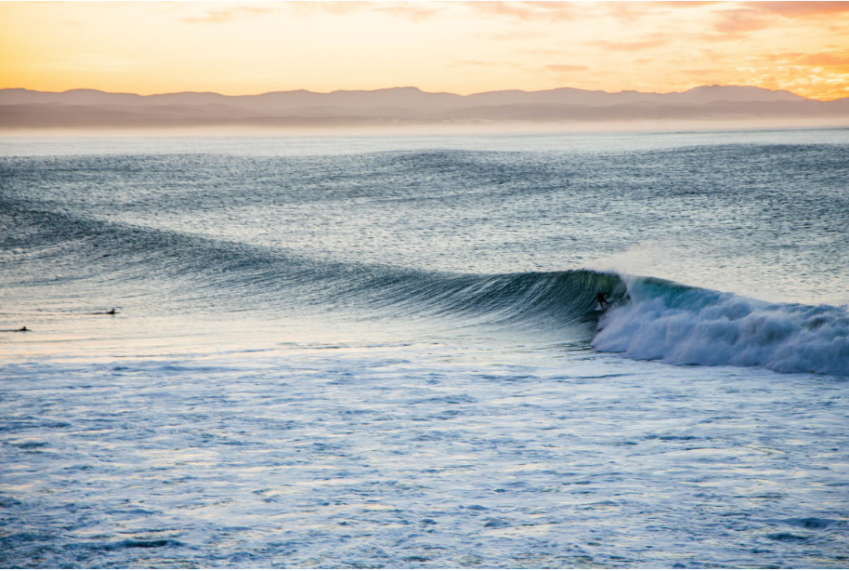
pixel 387 351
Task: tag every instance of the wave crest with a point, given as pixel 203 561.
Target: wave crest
pixel 690 326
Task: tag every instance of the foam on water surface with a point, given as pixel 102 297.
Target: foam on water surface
pixel 420 456
pixel 690 326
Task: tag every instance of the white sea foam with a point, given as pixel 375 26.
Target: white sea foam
pixel 417 456
pixel 689 326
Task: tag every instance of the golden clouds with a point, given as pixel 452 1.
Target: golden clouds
pixel 824 58
pixel 463 47
pixel 643 44
pixel 567 68
pixel 227 15
pixel 795 9
pixel 527 11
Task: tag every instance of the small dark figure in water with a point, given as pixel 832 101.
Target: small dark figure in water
pixel 111 312
pixel 600 298
pixel 24 328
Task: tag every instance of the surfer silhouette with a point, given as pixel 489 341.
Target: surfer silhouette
pixel 24 328
pixel 112 311
pixel 600 298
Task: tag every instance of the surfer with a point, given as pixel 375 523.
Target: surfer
pixel 600 298
pixel 112 311
pixel 24 328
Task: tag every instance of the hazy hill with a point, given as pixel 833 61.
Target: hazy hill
pixel 86 108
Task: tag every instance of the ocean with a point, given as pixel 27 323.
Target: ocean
pixel 388 351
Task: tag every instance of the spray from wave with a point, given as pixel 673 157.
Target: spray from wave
pixel 691 326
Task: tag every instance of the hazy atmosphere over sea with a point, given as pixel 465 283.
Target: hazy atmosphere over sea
pixel 388 351
pixel 409 109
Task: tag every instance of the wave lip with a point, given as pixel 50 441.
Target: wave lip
pixel 681 325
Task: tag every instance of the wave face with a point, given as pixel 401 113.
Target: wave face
pixel 691 326
pixel 175 272
pixel 539 299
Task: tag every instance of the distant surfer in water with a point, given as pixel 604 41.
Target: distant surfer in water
pixel 24 328
pixel 112 311
pixel 600 298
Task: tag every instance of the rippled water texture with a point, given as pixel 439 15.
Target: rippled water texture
pixel 388 352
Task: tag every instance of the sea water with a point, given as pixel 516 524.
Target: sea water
pixel 388 352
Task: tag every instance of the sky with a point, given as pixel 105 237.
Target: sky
pixel 459 47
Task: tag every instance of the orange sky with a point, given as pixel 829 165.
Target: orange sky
pixel 460 47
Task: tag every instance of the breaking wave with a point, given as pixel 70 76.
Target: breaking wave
pixel 691 326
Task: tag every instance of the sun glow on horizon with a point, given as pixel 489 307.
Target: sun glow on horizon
pixel 459 47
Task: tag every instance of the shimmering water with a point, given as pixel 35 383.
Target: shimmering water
pixel 387 352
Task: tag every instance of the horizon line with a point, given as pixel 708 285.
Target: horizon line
pixel 412 87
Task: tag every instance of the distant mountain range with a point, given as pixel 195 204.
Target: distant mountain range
pixel 86 108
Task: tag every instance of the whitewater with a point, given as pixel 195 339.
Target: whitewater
pixel 387 351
